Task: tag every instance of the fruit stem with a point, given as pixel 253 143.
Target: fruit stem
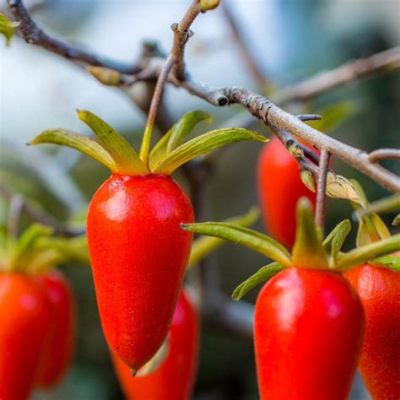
pixel 155 104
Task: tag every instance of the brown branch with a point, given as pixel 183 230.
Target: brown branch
pixel 387 60
pixel 32 34
pixel 321 189
pixel 182 34
pixel 262 108
pixel 384 154
pixel 247 57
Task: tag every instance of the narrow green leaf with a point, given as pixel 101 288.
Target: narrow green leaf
pixel 261 276
pixel 70 249
pixel 24 245
pixel 126 159
pixel 308 251
pixel 368 252
pixel 389 262
pixel 41 261
pixel 204 144
pixel 396 221
pixel 334 241
pixel 371 228
pixel 243 236
pixel 205 245
pixel 78 142
pixel 184 126
pixel 7 28
pixel 388 204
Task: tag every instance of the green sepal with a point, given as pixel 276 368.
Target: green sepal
pixel 368 252
pixel 184 126
pixel 334 241
pixel 20 250
pixel 7 28
pixel 388 204
pixel 126 159
pixel 78 142
pixel 176 135
pixel 261 276
pixel 203 246
pixel 202 145
pixel 308 251
pixel 37 251
pixel 243 236
pixel 371 228
pixel 75 248
pixel 390 262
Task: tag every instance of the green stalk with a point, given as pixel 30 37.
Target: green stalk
pixel 146 142
pixel 368 252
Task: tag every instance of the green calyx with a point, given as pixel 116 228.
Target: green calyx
pixel 112 150
pixel 37 251
pixel 309 251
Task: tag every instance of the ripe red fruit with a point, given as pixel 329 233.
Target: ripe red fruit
pixel 174 378
pixel 280 187
pixel 57 353
pixel 25 318
pixel 137 248
pixel 308 334
pixel 138 253
pixel 379 290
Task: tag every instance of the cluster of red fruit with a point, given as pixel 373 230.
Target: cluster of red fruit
pixel 37 320
pixel 309 321
pixel 311 326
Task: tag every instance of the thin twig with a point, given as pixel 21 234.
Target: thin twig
pixel 174 61
pixel 155 103
pixel 383 154
pixel 32 34
pixel 321 189
pixel 182 34
pixel 272 115
pixel 388 60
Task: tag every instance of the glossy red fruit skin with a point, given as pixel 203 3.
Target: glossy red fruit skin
pixel 138 253
pixel 174 378
pixel 57 354
pixel 279 188
pixel 25 319
pixel 308 333
pixel 379 290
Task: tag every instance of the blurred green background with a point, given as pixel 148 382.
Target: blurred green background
pixel 291 40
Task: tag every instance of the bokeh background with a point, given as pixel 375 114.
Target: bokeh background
pixel 289 39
